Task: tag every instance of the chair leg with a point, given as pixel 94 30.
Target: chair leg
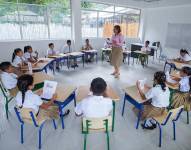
pixel 22 130
pixel 54 123
pixel 40 136
pixel 85 141
pixel 174 130
pixel 108 145
pixel 188 119
pixel 7 109
pixel 160 135
pixel 123 105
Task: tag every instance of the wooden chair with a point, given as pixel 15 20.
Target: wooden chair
pixel 26 115
pixel 90 125
pixel 173 115
pixel 7 98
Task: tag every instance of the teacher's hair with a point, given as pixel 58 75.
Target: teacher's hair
pixel 118 28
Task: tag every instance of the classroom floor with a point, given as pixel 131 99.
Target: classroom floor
pixel 125 136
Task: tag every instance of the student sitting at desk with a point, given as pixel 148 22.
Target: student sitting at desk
pixel 97 105
pixel 27 99
pixel 17 58
pixel 28 54
pixel 159 95
pixel 182 95
pixel 68 49
pixel 108 43
pixel 87 47
pixel 147 49
pixel 184 56
pixel 8 78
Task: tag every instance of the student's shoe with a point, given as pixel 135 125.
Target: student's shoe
pixel 149 128
pixel 58 68
pixel 76 65
pixel 73 66
pixel 67 112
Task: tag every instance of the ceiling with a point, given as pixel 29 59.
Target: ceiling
pixel 148 3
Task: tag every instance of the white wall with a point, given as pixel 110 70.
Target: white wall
pixel 156 23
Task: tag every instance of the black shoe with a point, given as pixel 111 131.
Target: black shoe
pixel 58 68
pixel 76 65
pixel 73 66
pixel 67 112
pixel 149 128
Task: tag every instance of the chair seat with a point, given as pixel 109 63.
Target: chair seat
pixel 160 119
pixel 97 124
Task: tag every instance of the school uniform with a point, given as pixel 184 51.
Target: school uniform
pixel 186 57
pixel 51 52
pixel 9 81
pixel 27 55
pixel 144 58
pixel 67 49
pixel 159 102
pixel 88 56
pixel 34 101
pixel 17 60
pixel 94 107
pixel 182 96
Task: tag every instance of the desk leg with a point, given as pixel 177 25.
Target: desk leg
pixel 123 105
pixel 74 99
pixel 96 57
pixel 83 60
pixel 138 118
pixel 113 119
pixel 61 116
pixel 128 59
pixel 102 57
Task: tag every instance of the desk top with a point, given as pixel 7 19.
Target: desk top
pixel 179 65
pixel 106 49
pixel 127 52
pixel 89 51
pixel 175 74
pixel 39 77
pixel 133 92
pixel 141 52
pixel 83 92
pixel 75 54
pixel 58 56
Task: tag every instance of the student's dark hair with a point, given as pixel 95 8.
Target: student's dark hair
pixel 87 40
pixel 98 86
pixel 160 78
pixel 5 65
pixel 184 51
pixel 16 51
pixel 118 28
pixel 50 44
pixel 148 42
pixel 68 41
pixel 187 70
pixel 26 48
pixel 23 84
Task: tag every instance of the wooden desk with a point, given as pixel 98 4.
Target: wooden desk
pixel 39 77
pixel 175 74
pixel 89 52
pixel 83 92
pixel 132 96
pixel 176 65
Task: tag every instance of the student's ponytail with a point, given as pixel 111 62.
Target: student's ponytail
pixel 23 84
pixel 13 56
pixel 160 78
pixel 16 51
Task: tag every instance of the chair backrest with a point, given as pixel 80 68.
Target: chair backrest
pixel 173 114
pixel 26 115
pixel 4 90
pixel 97 124
pixel 152 52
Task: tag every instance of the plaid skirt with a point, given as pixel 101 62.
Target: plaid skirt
pixel 52 112
pixel 180 98
pixel 150 111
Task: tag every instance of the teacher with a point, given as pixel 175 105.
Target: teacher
pixel 117 51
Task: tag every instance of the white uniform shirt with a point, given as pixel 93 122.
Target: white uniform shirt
pixel 94 107
pixel 27 55
pixel 9 80
pixel 146 49
pixel 186 57
pixel 184 84
pixel 66 49
pixel 52 52
pixel 159 97
pixel 18 60
pixel 32 100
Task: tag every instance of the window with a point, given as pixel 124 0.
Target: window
pixel 107 16
pixel 33 19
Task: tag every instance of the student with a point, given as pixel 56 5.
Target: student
pixel 97 105
pixel 184 56
pixel 87 47
pixel 182 95
pixel 51 51
pixel 17 59
pixel 146 48
pixel 68 49
pixel 27 99
pixel 28 54
pixel 8 78
pixel 159 95
pixel 108 43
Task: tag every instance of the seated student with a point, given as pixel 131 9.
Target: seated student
pixel 184 56
pixel 86 47
pixel 159 95
pixel 182 95
pixel 27 99
pixel 28 51
pixel 124 47
pixel 17 59
pixel 68 49
pixel 108 43
pixel 146 48
pixel 51 52
pixel 8 78
pixel 97 105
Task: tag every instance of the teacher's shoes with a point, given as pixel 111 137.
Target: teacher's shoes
pixel 117 75
pixel 113 73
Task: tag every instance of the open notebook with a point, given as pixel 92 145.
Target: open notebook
pixel 49 89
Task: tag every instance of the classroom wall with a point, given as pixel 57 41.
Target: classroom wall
pixel 156 24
